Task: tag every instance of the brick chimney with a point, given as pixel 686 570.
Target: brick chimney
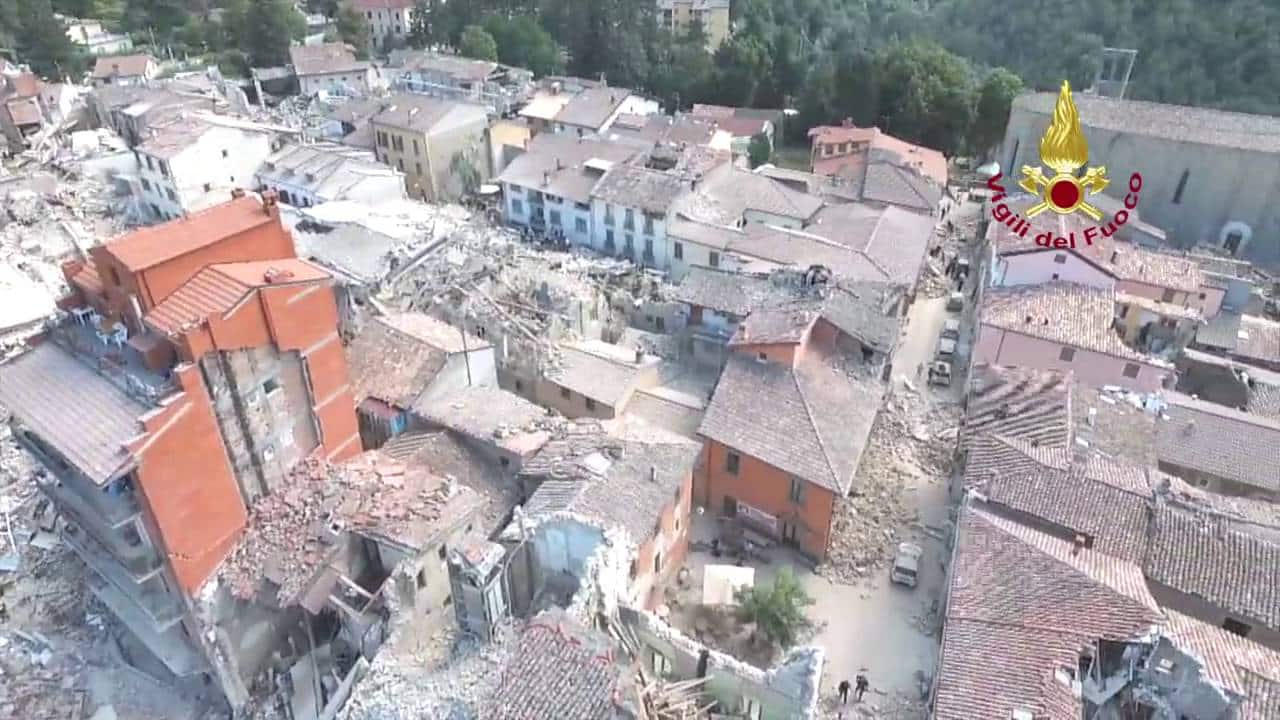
pixel 270 202
pixel 237 193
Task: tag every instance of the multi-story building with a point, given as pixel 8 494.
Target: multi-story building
pixel 452 77
pixel 22 112
pixel 679 16
pixel 846 150
pixel 197 361
pixel 1189 158
pixel 124 70
pixel 594 109
pixel 439 145
pixel 332 68
pixel 193 161
pixel 389 21
pixel 306 175
pixel 90 35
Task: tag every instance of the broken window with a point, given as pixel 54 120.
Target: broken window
pixel 146 185
pixel 731 462
pixel 629 222
pixel 714 260
pixel 519 386
pixel 679 251
pixel 270 385
pixel 580 225
pixel 517 207
pixel 661 665
pixel 797 491
pixel 1067 354
pixel 1131 370
pixel 1236 627
pixel 660 323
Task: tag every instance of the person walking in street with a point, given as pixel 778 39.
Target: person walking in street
pixel 844 691
pixel 862 686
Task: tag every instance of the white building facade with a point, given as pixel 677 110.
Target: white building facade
pixel 195 167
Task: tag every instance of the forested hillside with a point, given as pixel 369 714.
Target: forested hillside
pixel 928 71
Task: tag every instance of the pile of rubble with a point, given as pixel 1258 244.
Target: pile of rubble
pixel 410 684
pixel 953 239
pixel 912 443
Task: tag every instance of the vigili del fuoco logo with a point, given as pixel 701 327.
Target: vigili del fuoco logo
pixel 1065 151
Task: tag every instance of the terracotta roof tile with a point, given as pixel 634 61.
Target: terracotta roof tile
pixel 1018 403
pixel 1218 440
pixel 145 247
pixel 219 288
pixel 1062 312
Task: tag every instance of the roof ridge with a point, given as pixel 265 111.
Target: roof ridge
pixel 813 424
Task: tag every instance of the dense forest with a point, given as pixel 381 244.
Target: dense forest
pixel 941 72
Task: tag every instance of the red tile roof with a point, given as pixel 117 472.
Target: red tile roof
pixel 150 246
pixel 927 160
pixel 219 288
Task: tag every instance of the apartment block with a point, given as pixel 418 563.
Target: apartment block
pixel 439 145
pixel 679 16
pixel 193 365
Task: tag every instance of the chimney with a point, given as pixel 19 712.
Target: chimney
pixel 546 178
pixel 847 122
pixel 1078 544
pixel 653 474
pixel 270 203
pixel 1114 254
pixel 237 193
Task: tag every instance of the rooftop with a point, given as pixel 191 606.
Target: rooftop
pixel 122 66
pixel 489 415
pixel 616 481
pixel 1062 312
pixel 325 58
pixel 371 495
pixel 557 164
pixel 218 289
pixel 1018 403
pixel 457 67
pixel 926 160
pixel 1245 336
pixel 1260 133
pixel 449 456
pixel 592 107
pixel 329 170
pixel 811 420
pixel 651 191
pixel 149 246
pixel 395 357
pixel 1220 441
pixel 422 113
pixel 1021 605
pixel 558 669
pixel 597 370
pixel 76 411
pixel 1214 558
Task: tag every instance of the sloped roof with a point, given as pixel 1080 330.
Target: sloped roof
pixel 149 246
pixel 329 170
pixel 928 161
pixel 79 413
pixel 1018 403
pixel 1062 312
pixel 1245 336
pixel 811 420
pixel 121 65
pixel 219 288
pixel 1208 556
pixel 556 164
pixel 597 370
pixel 423 113
pixel 649 190
pixel 1220 441
pixel 1022 605
pixel 391 362
pixel 592 107
pixel 324 58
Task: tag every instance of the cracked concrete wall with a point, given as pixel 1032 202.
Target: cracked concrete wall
pixel 261 402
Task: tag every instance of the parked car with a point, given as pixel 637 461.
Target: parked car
pixel 906 565
pixel 951 329
pixel 955 302
pixel 946 348
pixel 940 373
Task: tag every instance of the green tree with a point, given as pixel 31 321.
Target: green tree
pixel 478 44
pixel 327 8
pixel 741 63
pixel 926 95
pixel 40 40
pixel 353 29
pixel 759 150
pixel 523 43
pixel 991 113
pixel 424 12
pixel 272 23
pixel 778 611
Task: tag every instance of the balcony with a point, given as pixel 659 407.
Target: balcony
pixel 111 512
pixel 161 610
pixel 119 363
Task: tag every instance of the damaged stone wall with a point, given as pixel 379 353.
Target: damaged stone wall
pixel 787 691
pixel 260 399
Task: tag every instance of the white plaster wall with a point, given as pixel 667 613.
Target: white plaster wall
pixel 998 346
pixel 222 159
pixel 1039 267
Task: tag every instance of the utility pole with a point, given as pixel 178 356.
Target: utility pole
pixel 466 354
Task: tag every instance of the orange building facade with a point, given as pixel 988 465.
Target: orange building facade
pixel 222 346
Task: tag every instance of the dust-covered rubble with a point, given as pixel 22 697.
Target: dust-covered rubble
pixel 912 443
